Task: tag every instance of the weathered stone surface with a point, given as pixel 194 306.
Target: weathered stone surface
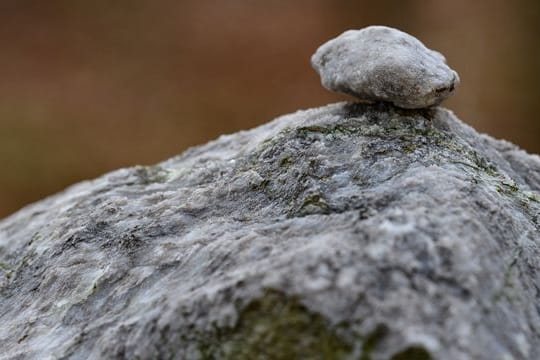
pixel 379 63
pixel 348 231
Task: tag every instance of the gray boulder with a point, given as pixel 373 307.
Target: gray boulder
pixel 350 231
pixel 379 63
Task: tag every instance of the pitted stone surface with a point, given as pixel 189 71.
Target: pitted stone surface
pixel 379 63
pixel 344 232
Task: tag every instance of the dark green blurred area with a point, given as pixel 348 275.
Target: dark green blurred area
pixel 87 87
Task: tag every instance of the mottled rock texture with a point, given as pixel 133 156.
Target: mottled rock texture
pixel 379 63
pixel 344 232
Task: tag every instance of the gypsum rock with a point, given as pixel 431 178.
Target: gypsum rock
pixel 379 63
pixel 344 232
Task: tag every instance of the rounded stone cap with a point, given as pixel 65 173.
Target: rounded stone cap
pixel 379 63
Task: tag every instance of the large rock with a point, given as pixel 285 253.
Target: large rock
pixel 348 231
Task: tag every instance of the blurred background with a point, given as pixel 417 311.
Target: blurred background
pixel 91 86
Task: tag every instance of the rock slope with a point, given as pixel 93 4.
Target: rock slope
pixel 350 231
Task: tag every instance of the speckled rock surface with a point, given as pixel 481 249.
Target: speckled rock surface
pixel 344 232
pixel 379 63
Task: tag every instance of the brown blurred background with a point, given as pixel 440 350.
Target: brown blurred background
pixel 90 86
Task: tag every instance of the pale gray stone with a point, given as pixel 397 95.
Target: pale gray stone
pixel 379 63
pixel 344 232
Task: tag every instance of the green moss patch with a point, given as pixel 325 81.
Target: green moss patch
pixel 151 174
pixel 412 353
pixel 277 327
